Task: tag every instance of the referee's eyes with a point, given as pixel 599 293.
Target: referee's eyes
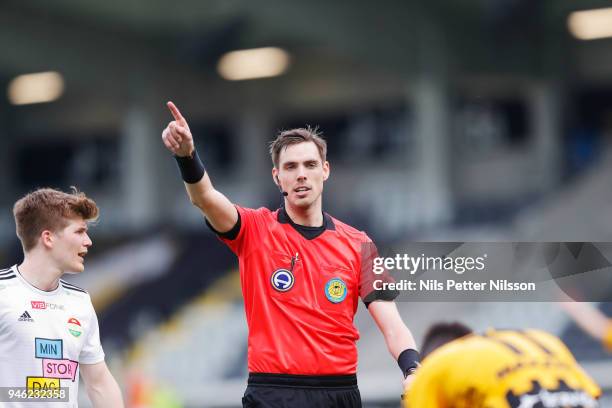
pixel 292 166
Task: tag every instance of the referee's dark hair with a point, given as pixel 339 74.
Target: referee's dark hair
pixel 441 333
pixel 294 136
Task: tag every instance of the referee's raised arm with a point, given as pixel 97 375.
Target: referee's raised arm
pixel 216 207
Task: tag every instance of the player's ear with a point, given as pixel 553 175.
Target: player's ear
pixel 46 239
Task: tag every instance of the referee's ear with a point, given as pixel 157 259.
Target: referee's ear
pixel 275 176
pixel 326 170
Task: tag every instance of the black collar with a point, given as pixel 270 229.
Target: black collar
pixel 305 231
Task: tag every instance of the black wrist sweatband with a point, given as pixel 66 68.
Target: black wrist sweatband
pixel 408 361
pixel 191 168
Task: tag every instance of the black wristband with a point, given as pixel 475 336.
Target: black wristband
pixel 191 167
pixel 408 361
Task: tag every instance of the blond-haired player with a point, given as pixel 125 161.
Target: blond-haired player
pixel 48 327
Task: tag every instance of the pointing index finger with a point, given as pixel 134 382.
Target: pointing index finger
pixel 174 110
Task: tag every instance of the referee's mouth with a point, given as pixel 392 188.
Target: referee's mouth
pixel 301 191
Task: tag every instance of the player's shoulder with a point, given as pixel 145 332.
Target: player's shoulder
pixel 7 274
pixel 547 341
pixel 535 336
pixel 535 340
pixel 350 231
pixel 8 281
pixel 73 289
pixel 542 335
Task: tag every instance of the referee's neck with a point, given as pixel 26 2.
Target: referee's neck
pixel 308 217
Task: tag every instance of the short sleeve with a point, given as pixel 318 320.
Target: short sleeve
pixel 92 351
pixel 372 275
pixel 247 224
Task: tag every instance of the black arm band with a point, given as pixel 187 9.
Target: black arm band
pixel 408 361
pixel 191 167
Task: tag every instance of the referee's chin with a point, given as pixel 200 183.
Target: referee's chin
pixel 303 203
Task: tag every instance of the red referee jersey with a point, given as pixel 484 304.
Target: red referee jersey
pixel 300 292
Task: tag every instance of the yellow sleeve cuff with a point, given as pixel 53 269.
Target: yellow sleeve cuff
pixel 607 340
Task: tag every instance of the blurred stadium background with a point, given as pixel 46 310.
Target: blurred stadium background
pixel 446 120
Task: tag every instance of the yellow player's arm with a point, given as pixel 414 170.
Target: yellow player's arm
pixel 590 319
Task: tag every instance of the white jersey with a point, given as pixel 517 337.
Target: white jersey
pixel 45 337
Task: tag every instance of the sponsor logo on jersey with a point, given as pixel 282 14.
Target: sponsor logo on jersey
pixel 40 382
pixel 49 348
pixel 64 369
pixel 39 304
pixel 282 280
pixel 25 317
pixel 335 290
pixel 74 327
pixel 561 396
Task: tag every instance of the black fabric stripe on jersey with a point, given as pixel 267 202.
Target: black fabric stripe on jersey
pixel 382 295
pixel 70 284
pixel 8 277
pixel 75 289
pixel 6 269
pixel 504 343
pixel 537 343
pixel 306 231
pixel 6 273
pixel 231 234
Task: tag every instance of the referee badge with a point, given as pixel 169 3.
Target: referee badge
pixel 335 290
pixel 282 280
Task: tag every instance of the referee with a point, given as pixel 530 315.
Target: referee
pixel 301 276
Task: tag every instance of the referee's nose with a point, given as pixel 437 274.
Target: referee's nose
pixel 301 176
